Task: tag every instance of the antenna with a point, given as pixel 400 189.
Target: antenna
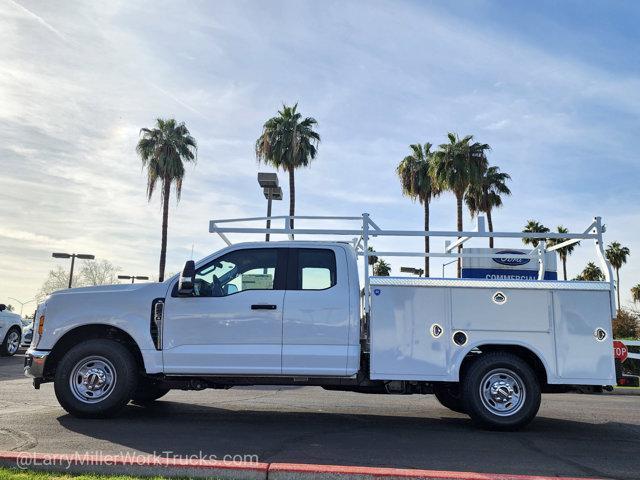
pixel 192 243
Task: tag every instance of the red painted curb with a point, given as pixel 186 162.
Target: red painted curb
pixel 337 470
pixel 137 464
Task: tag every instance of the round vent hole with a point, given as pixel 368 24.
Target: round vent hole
pixel 459 338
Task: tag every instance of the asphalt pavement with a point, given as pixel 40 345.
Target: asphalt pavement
pixel 573 435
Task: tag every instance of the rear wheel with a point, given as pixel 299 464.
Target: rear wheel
pixel 449 396
pixel 500 391
pixel 11 342
pixel 95 378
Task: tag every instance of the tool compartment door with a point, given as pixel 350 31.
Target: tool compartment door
pixel 581 357
pixel 519 310
pixel 402 344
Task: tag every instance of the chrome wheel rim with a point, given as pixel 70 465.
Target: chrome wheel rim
pixel 13 342
pixel 92 379
pixel 502 392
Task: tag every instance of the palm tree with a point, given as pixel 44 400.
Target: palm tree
pixel 372 258
pixel 591 273
pixel 416 183
pixel 617 256
pixel 533 226
pixel 288 142
pixel 457 165
pixel 563 252
pixel 381 269
pixel 163 149
pixel 635 293
pixel 485 195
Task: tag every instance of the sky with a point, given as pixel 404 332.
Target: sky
pixel 553 87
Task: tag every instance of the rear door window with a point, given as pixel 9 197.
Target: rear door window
pixel 315 268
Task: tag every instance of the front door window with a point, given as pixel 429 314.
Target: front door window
pixel 237 271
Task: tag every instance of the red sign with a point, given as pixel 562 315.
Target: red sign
pixel 620 350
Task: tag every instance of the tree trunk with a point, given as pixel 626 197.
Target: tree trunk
pixel 292 196
pixel 426 239
pixel 564 267
pixel 459 212
pixel 618 286
pixel 490 225
pixel 166 186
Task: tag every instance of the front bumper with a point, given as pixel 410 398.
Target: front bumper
pixel 34 362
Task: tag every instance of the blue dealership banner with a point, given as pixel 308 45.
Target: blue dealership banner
pixel 503 268
pixel 502 274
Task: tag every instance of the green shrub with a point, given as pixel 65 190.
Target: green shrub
pixel 626 325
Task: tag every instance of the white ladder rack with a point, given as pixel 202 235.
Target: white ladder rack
pixel 367 229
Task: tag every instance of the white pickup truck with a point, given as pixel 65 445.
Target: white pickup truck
pixel 10 332
pixel 293 312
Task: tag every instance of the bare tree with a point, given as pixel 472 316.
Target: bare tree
pixel 99 272
pixel 93 272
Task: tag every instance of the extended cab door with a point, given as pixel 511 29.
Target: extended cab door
pixel 233 322
pixel 316 313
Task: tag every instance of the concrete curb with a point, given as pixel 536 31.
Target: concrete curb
pixel 147 466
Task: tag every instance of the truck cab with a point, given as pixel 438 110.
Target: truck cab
pixel 266 309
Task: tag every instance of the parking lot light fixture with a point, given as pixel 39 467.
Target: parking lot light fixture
pixel 272 191
pixel 414 271
pixel 133 278
pixel 447 263
pixel 73 256
pixel 22 304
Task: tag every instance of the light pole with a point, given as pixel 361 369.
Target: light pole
pixel 271 190
pixel 447 263
pixel 22 304
pixel 415 271
pixel 73 256
pixel 133 278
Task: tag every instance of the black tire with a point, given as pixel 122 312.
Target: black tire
pixel 448 394
pixel 5 349
pixel 516 389
pixel 118 362
pixel 148 392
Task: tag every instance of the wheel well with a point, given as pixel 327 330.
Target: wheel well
pixel 523 352
pixel 86 332
pixel 12 327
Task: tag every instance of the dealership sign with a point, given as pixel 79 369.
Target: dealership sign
pixel 503 267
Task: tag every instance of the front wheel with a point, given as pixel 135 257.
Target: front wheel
pixel 95 379
pixel 501 392
pixel 11 343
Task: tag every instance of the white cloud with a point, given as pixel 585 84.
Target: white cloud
pixel 38 19
pixel 499 125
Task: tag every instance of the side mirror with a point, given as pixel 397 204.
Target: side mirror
pixel 187 278
pixel 2 307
